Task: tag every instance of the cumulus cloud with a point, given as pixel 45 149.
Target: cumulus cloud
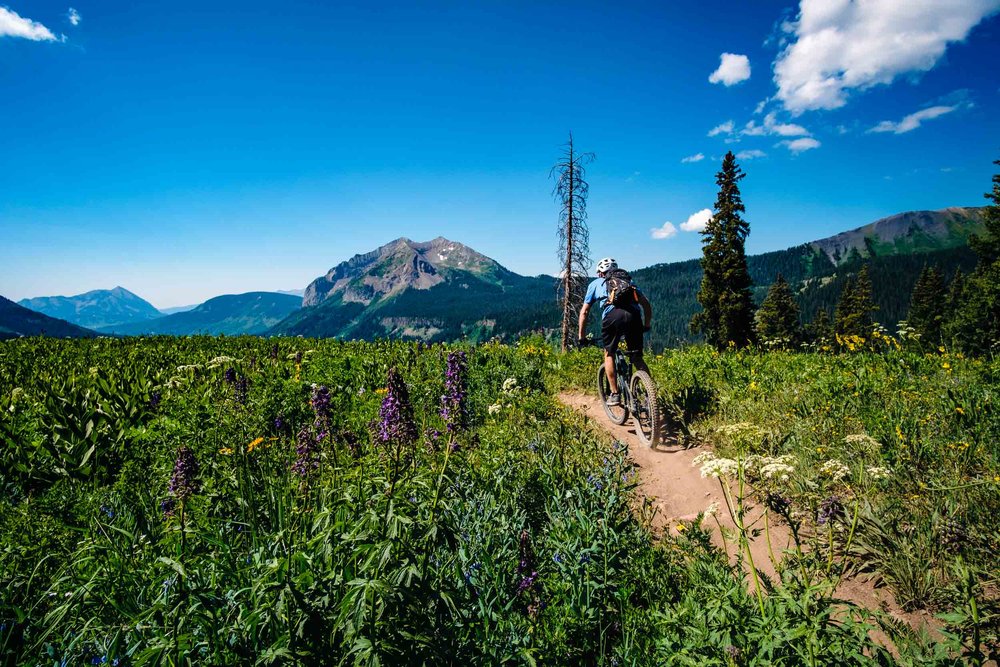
pixel 724 128
pixel 74 16
pixel 663 232
pixel 696 221
pixel 733 69
pixel 912 121
pixel 14 25
pixel 799 145
pixel 772 126
pixel 750 154
pixel 836 46
pixel 697 157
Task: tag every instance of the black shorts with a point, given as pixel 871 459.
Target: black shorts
pixel 622 323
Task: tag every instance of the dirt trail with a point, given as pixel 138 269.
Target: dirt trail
pixel 676 488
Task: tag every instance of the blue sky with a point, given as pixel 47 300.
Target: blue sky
pixel 185 150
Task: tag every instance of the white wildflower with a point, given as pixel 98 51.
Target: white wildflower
pixel 879 472
pixel 510 385
pixel 835 470
pixel 495 408
pixel 863 440
pixel 711 510
pixel 188 367
pixel 718 467
pixel 776 470
pixel 222 359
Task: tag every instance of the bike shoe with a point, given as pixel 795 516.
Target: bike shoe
pixel 614 400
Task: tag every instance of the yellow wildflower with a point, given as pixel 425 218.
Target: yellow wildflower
pixel 226 451
pixel 680 528
pixel 382 391
pixel 253 445
pixel 960 411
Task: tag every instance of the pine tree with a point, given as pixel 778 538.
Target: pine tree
pixel 927 307
pixel 777 319
pixel 821 328
pixel 727 306
pixel 571 191
pixel 976 326
pixel 853 316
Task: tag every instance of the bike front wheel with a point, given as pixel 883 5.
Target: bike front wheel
pixel 648 421
pixel 617 414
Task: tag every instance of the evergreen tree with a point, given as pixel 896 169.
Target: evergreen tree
pixel 727 306
pixel 952 327
pixel 927 307
pixel 976 326
pixel 777 318
pixel 821 328
pixel 853 316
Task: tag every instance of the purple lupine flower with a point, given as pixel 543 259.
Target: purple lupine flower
pixel 306 454
pixel 396 423
pixel 242 388
pixel 154 400
pixel 279 423
pixel 274 351
pixel 168 506
pixel 184 481
pixel 432 437
pixel 453 409
pixel 321 406
pixel 526 572
pixel 229 376
pixel 830 510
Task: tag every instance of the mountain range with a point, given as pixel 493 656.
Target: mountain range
pixel 443 290
pixel 95 309
pixel 251 313
pixel 16 320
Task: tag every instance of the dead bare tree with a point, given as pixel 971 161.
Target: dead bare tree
pixel 574 252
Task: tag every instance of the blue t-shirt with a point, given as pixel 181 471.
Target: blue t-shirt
pixel 598 291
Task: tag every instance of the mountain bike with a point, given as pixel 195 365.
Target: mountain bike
pixel 637 394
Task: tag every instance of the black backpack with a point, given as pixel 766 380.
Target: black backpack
pixel 621 291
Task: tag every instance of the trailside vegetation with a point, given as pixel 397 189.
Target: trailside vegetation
pixel 726 318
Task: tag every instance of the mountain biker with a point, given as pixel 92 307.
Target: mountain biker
pixel 616 323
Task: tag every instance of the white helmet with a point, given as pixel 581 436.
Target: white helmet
pixel 606 265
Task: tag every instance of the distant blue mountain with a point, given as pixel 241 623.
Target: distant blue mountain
pixel 17 321
pixel 231 314
pixel 95 309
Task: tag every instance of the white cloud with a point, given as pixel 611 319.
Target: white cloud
pixel 912 121
pixel 733 69
pixel 799 145
pixel 696 221
pixel 772 126
pixel 837 46
pixel 13 25
pixel 724 128
pixel 74 16
pixel 663 232
pixel 750 154
pixel 697 157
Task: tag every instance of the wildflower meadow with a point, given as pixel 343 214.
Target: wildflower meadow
pixel 233 501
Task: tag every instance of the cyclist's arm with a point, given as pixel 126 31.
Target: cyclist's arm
pixel 584 313
pixel 647 309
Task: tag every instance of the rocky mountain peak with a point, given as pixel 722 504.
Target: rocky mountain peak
pixel 399 265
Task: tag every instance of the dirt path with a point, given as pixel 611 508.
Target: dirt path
pixel 678 491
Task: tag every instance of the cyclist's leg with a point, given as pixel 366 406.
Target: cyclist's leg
pixel 633 341
pixel 611 334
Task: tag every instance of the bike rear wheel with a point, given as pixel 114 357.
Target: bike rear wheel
pixel 648 421
pixel 617 414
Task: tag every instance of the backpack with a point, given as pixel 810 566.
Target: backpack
pixel 621 291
